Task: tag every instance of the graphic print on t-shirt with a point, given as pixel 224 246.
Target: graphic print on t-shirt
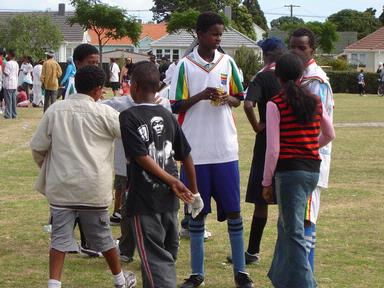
pixel 160 149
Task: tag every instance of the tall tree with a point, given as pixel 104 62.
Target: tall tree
pixel 180 11
pixel 283 20
pixel 363 23
pixel 108 22
pixel 256 12
pixel 30 35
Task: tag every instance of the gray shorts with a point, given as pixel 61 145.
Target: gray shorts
pixel 95 224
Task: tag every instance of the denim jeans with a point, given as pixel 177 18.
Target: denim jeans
pixel 10 103
pixel 290 267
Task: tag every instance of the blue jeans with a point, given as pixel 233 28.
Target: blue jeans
pixel 10 103
pixel 290 266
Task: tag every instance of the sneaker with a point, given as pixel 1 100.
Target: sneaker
pixel 125 259
pixel 184 233
pixel 242 280
pixel 250 259
pixel 115 218
pixel 130 280
pixel 86 252
pixel 194 280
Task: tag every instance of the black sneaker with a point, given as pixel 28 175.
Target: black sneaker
pixel 194 280
pixel 249 258
pixel 242 280
pixel 115 218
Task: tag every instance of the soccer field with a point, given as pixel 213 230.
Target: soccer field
pixel 350 229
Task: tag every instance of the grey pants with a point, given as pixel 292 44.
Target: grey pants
pixel 10 103
pixel 49 98
pixel 157 241
pixel 127 240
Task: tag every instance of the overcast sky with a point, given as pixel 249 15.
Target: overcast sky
pixel 316 10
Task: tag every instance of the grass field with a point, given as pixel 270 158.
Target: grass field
pixel 350 230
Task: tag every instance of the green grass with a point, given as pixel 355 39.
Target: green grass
pixel 350 230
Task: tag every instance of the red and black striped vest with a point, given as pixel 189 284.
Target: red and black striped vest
pixel 297 140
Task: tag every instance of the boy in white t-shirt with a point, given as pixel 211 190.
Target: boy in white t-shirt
pixel 114 76
pixel 205 87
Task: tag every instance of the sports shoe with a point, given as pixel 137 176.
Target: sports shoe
pixel 115 218
pixel 194 280
pixel 86 252
pixel 250 259
pixel 130 280
pixel 242 280
pixel 184 233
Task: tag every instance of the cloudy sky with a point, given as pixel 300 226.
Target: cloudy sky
pixel 314 10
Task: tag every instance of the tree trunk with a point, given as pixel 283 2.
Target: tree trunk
pixel 100 54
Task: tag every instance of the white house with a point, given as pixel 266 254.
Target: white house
pixel 174 45
pixel 368 51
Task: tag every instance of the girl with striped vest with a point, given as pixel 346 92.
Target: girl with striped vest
pixel 295 119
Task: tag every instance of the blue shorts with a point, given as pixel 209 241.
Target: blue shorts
pixel 220 181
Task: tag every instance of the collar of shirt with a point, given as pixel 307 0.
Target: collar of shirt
pixel 80 96
pixel 202 62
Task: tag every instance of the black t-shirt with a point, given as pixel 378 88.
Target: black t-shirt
pixel 152 130
pixel 261 89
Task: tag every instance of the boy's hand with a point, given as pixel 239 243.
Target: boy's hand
pixel 196 206
pixel 209 93
pixel 181 191
pixel 267 194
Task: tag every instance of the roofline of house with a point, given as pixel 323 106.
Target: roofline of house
pixel 362 50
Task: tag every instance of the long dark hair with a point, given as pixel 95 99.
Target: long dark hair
pixel 289 69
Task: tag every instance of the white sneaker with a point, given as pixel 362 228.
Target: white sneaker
pixel 130 280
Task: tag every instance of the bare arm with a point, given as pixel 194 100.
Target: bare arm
pixel 206 94
pixel 182 192
pixel 249 111
pixel 327 130
pixel 191 174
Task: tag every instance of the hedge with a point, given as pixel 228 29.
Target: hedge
pixel 346 82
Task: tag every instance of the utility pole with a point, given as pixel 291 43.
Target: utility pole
pixel 291 7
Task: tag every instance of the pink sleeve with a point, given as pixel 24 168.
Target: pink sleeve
pixel 273 143
pixel 327 130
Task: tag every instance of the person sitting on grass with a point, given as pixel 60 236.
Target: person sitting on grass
pixel 21 97
pixel 153 141
pixel 73 146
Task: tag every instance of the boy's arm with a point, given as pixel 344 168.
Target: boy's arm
pixel 41 141
pixel 149 165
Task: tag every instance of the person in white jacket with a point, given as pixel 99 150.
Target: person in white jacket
pixel 37 86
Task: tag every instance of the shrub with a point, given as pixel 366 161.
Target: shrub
pixel 346 82
pixel 248 61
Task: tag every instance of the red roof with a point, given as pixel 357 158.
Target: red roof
pixel 154 31
pixel 373 41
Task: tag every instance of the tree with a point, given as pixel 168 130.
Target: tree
pixel 257 15
pixel 363 23
pixel 30 35
pixel 108 22
pixel 182 14
pixel 284 20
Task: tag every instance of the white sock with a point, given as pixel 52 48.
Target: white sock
pixel 53 283
pixel 119 279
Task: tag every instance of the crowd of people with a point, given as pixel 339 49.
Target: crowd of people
pixel 139 135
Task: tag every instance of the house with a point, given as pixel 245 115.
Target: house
pixel 149 33
pixel 174 45
pixel 260 32
pixel 73 35
pixel 123 54
pixel 368 51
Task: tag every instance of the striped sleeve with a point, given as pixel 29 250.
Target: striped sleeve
pixel 235 86
pixel 179 87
